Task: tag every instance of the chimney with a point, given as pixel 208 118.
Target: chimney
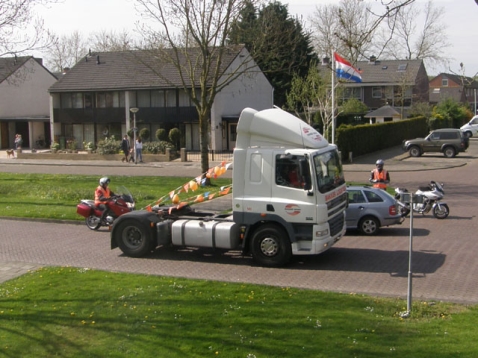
pixel 372 60
pixel 65 69
pixel 325 61
pixel 98 59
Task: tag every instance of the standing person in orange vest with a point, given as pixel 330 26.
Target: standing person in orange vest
pixel 379 176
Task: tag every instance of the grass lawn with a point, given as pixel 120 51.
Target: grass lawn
pixel 71 312
pixel 56 196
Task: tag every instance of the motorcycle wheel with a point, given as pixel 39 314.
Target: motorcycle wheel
pixel 443 213
pixel 404 211
pixel 93 222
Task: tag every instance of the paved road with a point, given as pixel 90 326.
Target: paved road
pixel 444 257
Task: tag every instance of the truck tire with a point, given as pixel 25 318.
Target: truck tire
pixel 133 238
pixel 270 246
pixel 449 152
pixel 415 151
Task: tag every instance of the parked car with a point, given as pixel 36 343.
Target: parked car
pixel 370 209
pixel 449 141
pixel 471 128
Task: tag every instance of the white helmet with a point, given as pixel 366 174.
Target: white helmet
pixel 379 163
pixel 104 180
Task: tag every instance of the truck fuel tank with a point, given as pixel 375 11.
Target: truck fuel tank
pixel 200 233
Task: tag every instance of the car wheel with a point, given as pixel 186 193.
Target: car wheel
pixel 441 211
pixel 415 151
pixel 449 152
pixel 270 246
pixel 468 134
pixel 133 238
pixel 369 225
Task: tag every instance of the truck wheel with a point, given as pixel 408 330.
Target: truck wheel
pixel 133 238
pixel 270 246
pixel 449 152
pixel 415 151
pixel 93 222
pixel 369 225
pixel 468 134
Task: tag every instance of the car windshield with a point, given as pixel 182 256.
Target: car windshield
pixel 329 171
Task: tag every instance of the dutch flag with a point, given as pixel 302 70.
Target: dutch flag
pixel 344 69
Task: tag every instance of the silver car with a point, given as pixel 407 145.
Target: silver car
pixel 370 208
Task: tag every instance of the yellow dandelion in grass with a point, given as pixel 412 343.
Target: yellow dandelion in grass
pixel 72 314
pixel 83 322
pixel 93 322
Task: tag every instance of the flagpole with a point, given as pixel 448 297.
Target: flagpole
pixel 333 97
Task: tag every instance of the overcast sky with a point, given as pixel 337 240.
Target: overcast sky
pixel 88 16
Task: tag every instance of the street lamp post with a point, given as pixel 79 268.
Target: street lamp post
pixel 134 110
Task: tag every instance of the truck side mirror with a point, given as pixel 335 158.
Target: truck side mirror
pixel 305 172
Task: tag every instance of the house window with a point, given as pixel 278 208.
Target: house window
pixel 144 99
pixel 444 82
pixel 402 67
pixel 377 92
pixel 184 99
pixel 352 92
pixel 77 100
pixel 66 100
pixel 157 99
pixel 107 100
pixel 170 98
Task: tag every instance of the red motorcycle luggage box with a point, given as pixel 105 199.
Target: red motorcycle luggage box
pixel 83 209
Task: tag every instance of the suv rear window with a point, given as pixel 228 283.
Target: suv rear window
pixel 448 135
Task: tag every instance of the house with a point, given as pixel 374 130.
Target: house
pixel 93 99
pixel 459 88
pixel 398 83
pixel 24 101
pixel 384 114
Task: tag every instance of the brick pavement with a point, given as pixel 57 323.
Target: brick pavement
pixel 444 250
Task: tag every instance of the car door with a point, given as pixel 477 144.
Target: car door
pixel 432 144
pixel 357 207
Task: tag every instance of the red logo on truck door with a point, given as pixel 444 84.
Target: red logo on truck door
pixel 292 209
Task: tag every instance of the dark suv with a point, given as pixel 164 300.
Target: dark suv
pixel 448 141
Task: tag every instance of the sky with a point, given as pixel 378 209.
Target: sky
pixel 89 16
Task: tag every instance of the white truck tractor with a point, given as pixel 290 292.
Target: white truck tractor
pixel 289 198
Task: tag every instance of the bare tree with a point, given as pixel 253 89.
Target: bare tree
pixel 192 37
pixel 20 30
pixel 350 26
pixel 65 51
pixel 425 40
pixel 112 41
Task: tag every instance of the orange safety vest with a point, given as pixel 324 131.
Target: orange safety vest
pixel 99 192
pixel 380 176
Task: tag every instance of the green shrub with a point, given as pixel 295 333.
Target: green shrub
pixel 156 147
pixel 109 146
pixel 174 136
pixel 161 134
pixel 144 134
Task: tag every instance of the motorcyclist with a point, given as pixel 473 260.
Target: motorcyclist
pixel 102 195
pixel 379 176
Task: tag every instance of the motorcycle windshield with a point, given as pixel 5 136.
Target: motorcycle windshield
pixel 124 193
pixel 439 187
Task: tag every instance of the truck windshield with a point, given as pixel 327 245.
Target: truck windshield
pixel 329 171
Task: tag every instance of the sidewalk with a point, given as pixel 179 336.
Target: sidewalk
pixel 394 158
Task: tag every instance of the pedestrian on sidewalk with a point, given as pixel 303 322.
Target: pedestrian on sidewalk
pixel 125 148
pixel 139 150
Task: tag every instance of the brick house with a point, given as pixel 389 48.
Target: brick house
pixel 398 83
pixel 460 88
pixel 24 98
pixel 93 99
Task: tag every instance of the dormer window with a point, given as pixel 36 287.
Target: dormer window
pixel 402 67
pixel 444 82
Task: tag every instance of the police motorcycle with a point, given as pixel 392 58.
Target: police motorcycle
pixel 426 198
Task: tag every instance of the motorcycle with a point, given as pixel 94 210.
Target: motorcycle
pixel 119 204
pixel 431 195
